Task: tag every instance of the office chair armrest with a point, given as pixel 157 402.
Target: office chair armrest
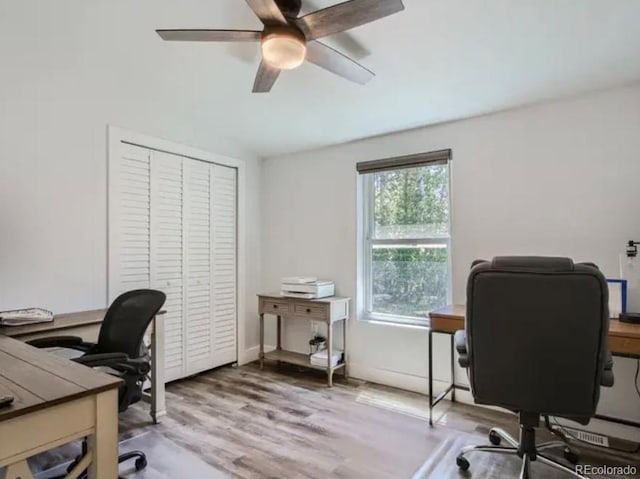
pixel 102 359
pixel 607 379
pixel 67 342
pixel 137 366
pixel 118 361
pixel 460 340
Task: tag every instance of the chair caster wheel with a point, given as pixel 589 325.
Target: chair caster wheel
pixel 462 463
pixel 494 438
pixel 141 463
pixel 571 456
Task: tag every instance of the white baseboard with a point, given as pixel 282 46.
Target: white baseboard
pixel 253 354
pixel 404 381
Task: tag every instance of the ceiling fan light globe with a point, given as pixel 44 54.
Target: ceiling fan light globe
pixel 283 50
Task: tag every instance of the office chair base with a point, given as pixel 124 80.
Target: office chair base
pixel 140 457
pixel 140 464
pixel 529 455
pixel 497 435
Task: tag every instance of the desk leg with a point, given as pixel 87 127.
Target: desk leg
pixel 453 370
pixel 158 405
pixel 430 380
pixel 279 339
pixel 103 444
pixel 261 354
pixel 344 347
pixel 329 353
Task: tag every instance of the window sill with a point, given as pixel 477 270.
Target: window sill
pixel 384 320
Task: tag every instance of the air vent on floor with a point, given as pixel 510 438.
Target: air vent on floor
pixel 590 437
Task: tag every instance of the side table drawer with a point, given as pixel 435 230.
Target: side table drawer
pixel 273 306
pixel 313 311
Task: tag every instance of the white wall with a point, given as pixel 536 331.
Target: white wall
pixel 559 178
pixel 68 70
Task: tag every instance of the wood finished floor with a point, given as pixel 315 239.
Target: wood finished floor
pixel 283 423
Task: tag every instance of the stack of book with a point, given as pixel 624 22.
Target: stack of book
pixel 320 358
pixel 22 317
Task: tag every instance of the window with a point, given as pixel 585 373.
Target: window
pixel 406 242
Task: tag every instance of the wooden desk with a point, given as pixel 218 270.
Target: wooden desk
pixel 448 319
pixel 624 338
pixel 445 320
pixel 86 324
pixel 56 401
pixel 624 341
pixel 326 310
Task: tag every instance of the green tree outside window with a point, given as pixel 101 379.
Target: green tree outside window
pixel 410 241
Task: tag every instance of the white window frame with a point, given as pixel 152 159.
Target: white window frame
pixel 367 244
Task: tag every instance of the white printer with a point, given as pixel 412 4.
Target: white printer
pixel 307 287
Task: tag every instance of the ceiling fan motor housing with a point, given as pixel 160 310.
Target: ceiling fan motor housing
pixel 281 31
pixel 283 47
pixel 290 8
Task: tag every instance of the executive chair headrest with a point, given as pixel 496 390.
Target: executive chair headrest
pixel 546 264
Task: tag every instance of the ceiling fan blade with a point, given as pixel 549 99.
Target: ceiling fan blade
pixel 265 78
pixel 345 16
pixel 210 35
pixel 344 41
pixel 332 60
pixel 350 45
pixel 267 11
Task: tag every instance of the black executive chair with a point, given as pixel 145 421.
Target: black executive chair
pixel 119 348
pixel 535 342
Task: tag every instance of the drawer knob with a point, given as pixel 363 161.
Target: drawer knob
pixel 275 306
pixel 308 310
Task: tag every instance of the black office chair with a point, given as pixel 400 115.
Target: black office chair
pixel 535 342
pixel 119 348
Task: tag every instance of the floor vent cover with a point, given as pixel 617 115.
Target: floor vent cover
pixel 590 437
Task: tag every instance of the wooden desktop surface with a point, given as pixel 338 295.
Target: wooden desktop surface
pixel 60 322
pixel 56 401
pixel 38 379
pixel 86 324
pixel 624 338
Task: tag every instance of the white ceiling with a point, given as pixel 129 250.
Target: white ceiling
pixel 438 60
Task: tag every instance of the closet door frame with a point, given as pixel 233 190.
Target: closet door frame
pixel 115 137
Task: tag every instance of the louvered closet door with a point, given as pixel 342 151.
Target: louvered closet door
pixel 199 294
pixel 224 265
pixel 129 220
pixel 167 259
pixel 172 227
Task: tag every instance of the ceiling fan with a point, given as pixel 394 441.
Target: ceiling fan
pixel 288 40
